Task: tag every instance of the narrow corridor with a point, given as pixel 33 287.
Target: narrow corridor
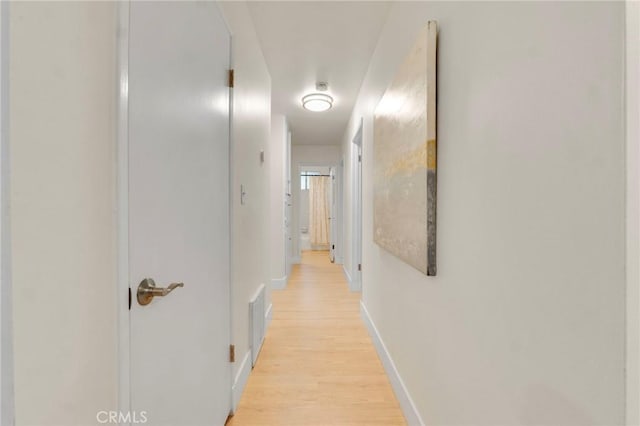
pixel 318 365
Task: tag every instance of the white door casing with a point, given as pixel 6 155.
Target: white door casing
pixel 288 247
pixel 178 204
pixel 288 210
pixel 6 346
pixel 339 239
pixel 356 191
pixel 632 83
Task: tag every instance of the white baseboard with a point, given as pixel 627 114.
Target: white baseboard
pixel 339 261
pixel 354 286
pixel 346 275
pixel 244 371
pixel 240 381
pixel 279 283
pixel 268 316
pixel 295 260
pixel 406 403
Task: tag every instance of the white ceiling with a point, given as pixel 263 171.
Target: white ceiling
pixel 304 42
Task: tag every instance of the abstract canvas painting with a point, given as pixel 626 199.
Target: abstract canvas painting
pixel 404 211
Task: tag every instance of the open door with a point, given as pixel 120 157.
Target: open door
pixel 178 201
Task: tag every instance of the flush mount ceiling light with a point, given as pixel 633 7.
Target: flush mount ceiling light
pixel 318 102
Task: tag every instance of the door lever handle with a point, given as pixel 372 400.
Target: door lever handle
pixel 147 290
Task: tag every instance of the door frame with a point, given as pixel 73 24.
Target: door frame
pixel 288 206
pixel 339 187
pixel 122 210
pixel 632 226
pixel 356 209
pixel 6 324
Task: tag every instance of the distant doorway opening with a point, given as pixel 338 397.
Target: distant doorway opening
pixel 319 212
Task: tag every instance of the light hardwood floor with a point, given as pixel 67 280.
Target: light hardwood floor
pixel 318 365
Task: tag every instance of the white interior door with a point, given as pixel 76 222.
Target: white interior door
pixel 179 212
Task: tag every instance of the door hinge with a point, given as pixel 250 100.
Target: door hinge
pixel 129 298
pixel 232 353
pixel 359 267
pixel 333 246
pixel 359 158
pixel 231 78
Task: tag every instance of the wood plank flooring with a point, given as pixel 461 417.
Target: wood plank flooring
pixel 318 365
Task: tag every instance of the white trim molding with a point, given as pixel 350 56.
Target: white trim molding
pixel 632 86
pixel 406 403
pixel 354 286
pixel 240 381
pixel 346 275
pixel 268 316
pixel 279 283
pixel 7 415
pixel 242 376
pixel 122 211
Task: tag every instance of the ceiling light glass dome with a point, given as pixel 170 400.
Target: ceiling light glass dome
pixel 317 102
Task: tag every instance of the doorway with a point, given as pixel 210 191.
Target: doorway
pixel 319 210
pixel 315 215
pixel 175 225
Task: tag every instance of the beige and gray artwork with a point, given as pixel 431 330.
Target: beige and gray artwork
pixel 404 215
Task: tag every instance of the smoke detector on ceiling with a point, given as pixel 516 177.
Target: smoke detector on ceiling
pixel 322 86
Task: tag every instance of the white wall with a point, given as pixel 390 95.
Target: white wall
pixel 278 190
pixel 251 133
pixel 304 209
pixel 62 131
pixel 6 315
pixel 309 155
pixel 633 210
pixel 525 322
pixel 63 65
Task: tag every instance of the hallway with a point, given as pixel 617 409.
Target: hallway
pixel 318 365
pixel 157 161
